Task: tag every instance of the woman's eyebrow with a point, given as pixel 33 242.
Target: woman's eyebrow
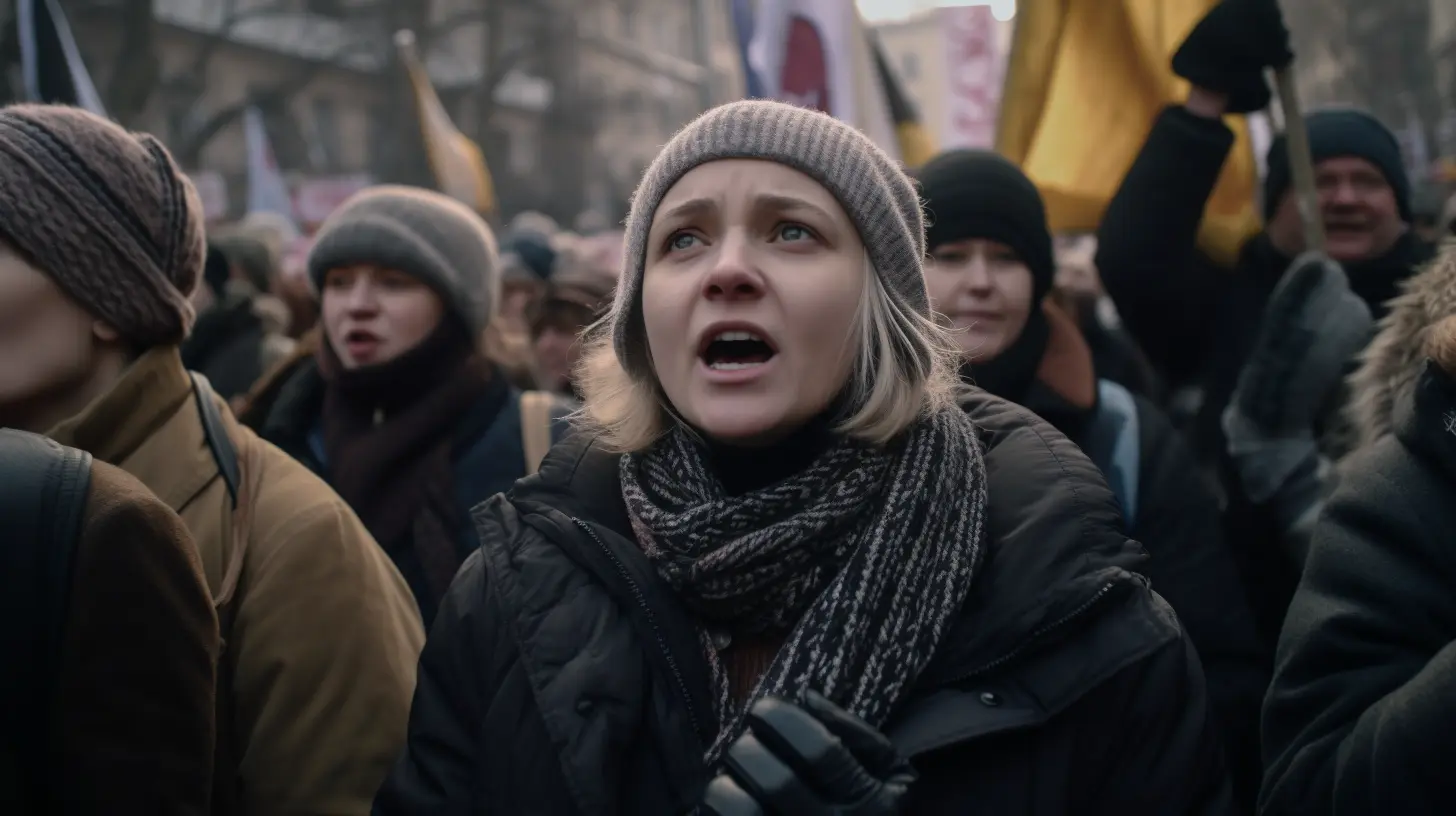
pixel 690 208
pixel 787 203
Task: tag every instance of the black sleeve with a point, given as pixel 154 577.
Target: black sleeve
pixel 1192 568
pixel 436 772
pixel 1146 243
pixel 1363 705
pixel 1163 753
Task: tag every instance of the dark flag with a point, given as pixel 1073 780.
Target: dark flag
pixel 916 147
pixel 50 61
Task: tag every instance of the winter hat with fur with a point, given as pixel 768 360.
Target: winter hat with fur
pixel 426 235
pixel 106 214
pixel 879 198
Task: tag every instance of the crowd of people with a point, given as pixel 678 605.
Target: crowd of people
pixel 822 487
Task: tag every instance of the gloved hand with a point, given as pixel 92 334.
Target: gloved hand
pixel 1313 326
pixel 810 759
pixel 1230 48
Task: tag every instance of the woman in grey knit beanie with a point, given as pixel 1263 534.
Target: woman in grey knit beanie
pixel 781 570
pixel 400 409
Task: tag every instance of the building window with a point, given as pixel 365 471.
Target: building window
pixel 910 67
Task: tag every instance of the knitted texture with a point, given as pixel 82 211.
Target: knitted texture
pixel 869 185
pixel 866 556
pixel 980 194
pixel 426 235
pixel 106 214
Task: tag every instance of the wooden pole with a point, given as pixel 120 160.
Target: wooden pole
pixel 1301 163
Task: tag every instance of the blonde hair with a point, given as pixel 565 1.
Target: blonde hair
pixel 905 367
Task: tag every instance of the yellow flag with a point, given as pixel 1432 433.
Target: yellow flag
pixel 458 165
pixel 1085 81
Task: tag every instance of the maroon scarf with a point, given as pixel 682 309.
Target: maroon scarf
pixel 389 431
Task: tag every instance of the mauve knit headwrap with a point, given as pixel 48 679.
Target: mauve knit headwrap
pixel 879 198
pixel 106 214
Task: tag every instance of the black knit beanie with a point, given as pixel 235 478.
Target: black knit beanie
pixel 424 234
pixel 980 194
pixel 106 214
pixel 1336 133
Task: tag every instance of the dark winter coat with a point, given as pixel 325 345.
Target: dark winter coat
pixel 489 456
pixel 1199 322
pixel 122 720
pixel 1361 714
pixel 235 343
pixel 563 676
pixel 1174 512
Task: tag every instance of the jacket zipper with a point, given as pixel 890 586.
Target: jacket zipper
pixel 1040 633
pixel 682 685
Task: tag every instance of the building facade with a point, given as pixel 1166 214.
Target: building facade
pixel 569 100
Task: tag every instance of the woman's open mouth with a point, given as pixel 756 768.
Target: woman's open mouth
pixel 736 350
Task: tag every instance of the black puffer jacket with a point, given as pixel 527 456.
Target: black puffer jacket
pixel 563 677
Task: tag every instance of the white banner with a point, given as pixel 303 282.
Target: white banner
pixel 212 189
pixel 315 198
pixel 267 191
pixel 815 53
pixel 974 71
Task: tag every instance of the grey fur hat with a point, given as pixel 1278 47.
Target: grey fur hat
pixel 421 233
pixel 879 198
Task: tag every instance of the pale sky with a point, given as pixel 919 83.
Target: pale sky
pixel 882 10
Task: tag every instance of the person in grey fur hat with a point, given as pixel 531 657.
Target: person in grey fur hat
pixel 399 408
pixel 781 569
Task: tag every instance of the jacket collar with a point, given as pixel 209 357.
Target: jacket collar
pixel 1057 551
pixel 141 401
pixel 1425 419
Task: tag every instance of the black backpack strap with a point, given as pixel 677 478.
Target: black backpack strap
pixel 44 488
pixel 221 445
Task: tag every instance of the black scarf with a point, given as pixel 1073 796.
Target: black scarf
pixel 390 432
pixel 1376 280
pixel 1011 373
pixel 864 556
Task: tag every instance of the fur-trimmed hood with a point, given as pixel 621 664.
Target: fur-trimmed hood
pixel 1391 364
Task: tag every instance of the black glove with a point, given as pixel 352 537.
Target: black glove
pixel 1230 48
pixel 1313 325
pixel 810 759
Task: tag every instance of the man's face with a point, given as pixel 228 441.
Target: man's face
pixel 47 342
pixel 1357 205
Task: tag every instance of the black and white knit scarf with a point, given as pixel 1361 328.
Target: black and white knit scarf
pixel 865 556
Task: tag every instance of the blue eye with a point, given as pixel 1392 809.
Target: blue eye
pixel 681 241
pixel 793 232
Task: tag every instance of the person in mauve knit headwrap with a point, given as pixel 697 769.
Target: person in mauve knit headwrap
pixel 781 569
pixel 101 244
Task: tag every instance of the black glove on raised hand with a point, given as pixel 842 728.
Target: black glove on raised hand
pixel 810 759
pixel 1230 48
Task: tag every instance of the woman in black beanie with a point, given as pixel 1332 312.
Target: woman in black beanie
pixel 989 272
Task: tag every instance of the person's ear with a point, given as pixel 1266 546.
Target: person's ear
pixel 103 331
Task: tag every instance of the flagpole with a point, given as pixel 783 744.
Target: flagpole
pixel 1301 162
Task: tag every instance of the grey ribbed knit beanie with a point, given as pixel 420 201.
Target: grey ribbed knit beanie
pixel 421 233
pixel 879 198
